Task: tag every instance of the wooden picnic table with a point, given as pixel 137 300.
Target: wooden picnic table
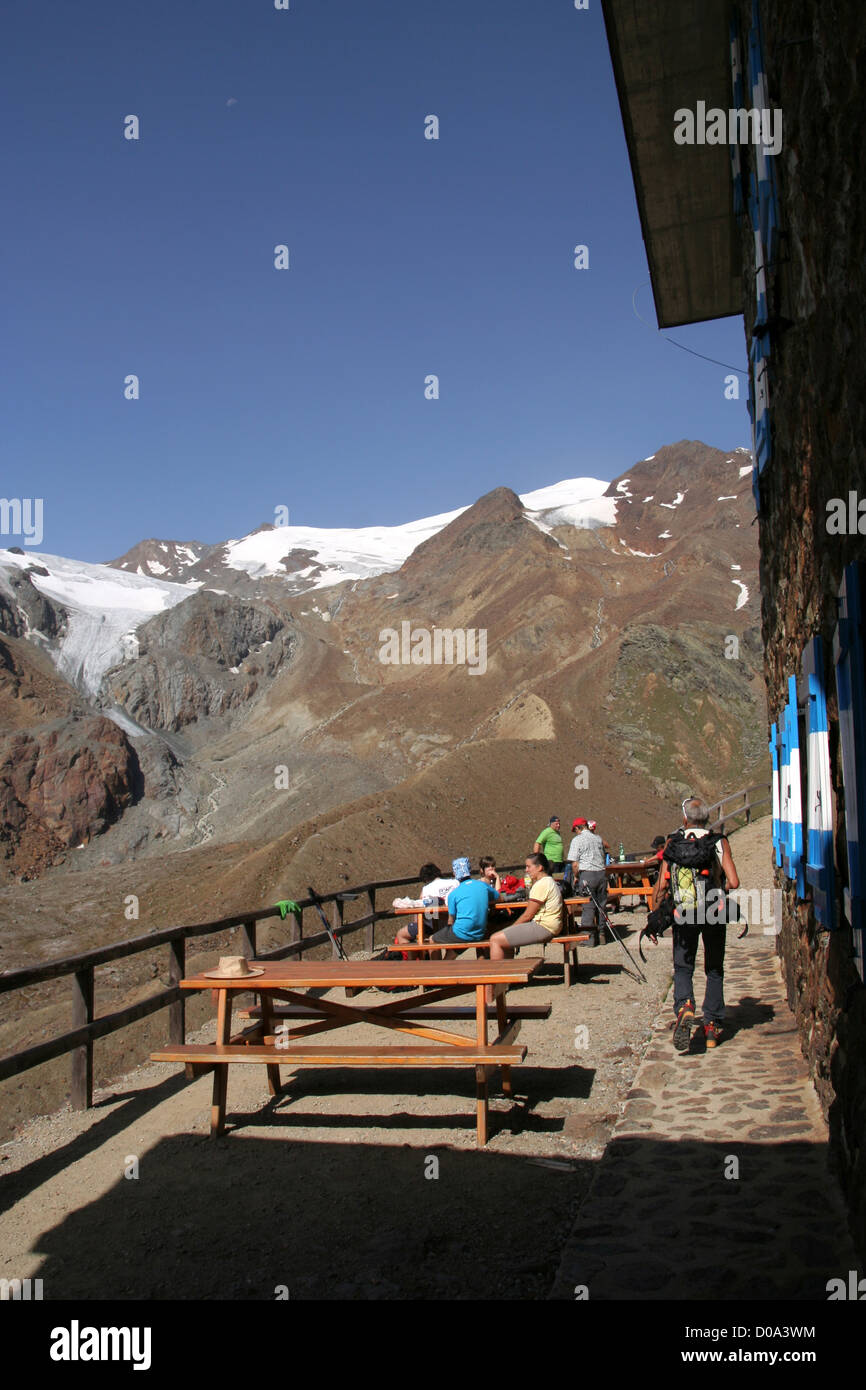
pixel 435 984
pixel 643 890
pixel 633 869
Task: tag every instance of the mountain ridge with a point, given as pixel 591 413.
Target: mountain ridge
pixel 216 689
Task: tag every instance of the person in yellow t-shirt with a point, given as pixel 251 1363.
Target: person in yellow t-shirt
pixel 540 920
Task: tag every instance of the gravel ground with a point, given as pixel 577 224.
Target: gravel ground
pixel 331 1189
pixel 325 1189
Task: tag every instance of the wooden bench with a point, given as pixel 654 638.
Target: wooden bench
pixel 204 1057
pixel 210 1055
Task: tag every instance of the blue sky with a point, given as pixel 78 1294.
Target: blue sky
pixel 305 388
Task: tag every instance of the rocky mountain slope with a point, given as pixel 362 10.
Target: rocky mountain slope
pixel 264 698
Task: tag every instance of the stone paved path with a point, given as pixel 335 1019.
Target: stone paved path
pixel 661 1219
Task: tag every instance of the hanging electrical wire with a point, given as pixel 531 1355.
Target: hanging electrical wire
pixel 741 371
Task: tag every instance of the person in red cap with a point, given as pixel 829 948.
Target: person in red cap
pixel 593 825
pixel 586 857
pixel 568 880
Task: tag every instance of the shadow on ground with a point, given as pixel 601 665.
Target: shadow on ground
pixel 241 1217
pixel 238 1217
pixel 708 1221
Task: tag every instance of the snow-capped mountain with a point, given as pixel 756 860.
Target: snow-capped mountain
pixel 235 690
pixel 103 607
pixel 318 557
pixel 106 604
pixel 161 559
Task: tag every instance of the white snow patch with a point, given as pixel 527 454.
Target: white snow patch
pixel 105 607
pixel 645 554
pixel 650 498
pixel 650 459
pixel 547 531
pixel 573 502
pixel 746 468
pixel 676 502
pixel 353 554
pixel 736 567
pixel 344 553
pixel 732 498
pixel 664 536
pixel 744 595
pixel 156 568
pixel 125 722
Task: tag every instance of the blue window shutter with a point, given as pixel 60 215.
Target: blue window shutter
pixel 819 820
pixel 768 213
pixel 792 812
pixel 777 824
pixel 784 775
pixel 848 655
pixel 759 354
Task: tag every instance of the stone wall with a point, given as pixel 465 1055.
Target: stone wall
pixel 815 54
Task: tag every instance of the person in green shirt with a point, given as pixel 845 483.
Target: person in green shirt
pixel 549 843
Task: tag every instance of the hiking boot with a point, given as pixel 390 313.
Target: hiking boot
pixel 712 1034
pixel 683 1030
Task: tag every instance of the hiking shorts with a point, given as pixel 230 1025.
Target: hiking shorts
pixel 526 934
pixel 430 920
pixel 446 936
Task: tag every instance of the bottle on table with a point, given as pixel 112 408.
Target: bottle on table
pixel 621 853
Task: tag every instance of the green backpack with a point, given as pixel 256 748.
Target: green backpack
pixel 696 878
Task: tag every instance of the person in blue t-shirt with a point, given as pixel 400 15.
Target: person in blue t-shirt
pixel 468 906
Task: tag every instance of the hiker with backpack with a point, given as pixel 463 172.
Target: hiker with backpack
pixel 690 896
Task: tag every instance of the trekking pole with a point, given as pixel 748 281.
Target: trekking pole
pixel 608 924
pixel 335 940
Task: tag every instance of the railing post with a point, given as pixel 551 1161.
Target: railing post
pixel 371 928
pixel 337 922
pixel 248 939
pixel 81 1089
pixel 177 1010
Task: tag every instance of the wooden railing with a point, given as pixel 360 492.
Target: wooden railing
pixel 738 804
pixel 86 1029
